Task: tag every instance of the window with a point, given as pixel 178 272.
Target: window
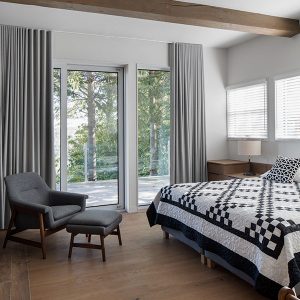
pixel 153 133
pixel 247 111
pixel 88 108
pixel 287 95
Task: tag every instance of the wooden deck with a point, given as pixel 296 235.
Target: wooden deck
pixel 105 192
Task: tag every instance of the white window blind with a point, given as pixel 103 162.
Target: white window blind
pixel 287 93
pixel 247 111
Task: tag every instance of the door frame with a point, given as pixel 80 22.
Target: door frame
pixel 64 66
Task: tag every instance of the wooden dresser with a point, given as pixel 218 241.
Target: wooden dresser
pixel 228 169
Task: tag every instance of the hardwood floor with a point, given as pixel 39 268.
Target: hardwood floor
pixel 145 267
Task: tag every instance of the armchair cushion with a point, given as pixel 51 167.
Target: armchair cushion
pixel 32 207
pixel 63 211
pixel 58 198
pixel 28 195
pixel 96 217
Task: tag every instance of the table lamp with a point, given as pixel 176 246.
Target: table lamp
pixel 249 148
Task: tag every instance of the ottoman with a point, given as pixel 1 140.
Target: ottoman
pixel 94 222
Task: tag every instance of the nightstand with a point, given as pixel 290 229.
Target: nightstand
pixel 227 169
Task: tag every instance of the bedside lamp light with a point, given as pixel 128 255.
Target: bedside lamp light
pixel 249 148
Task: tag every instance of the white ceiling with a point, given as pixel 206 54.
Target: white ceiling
pixel 280 8
pixel 90 23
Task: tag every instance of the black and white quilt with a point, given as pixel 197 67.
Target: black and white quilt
pixel 254 224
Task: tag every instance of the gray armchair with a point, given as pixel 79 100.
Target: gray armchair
pixel 35 206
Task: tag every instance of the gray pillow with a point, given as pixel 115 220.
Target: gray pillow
pixel 284 169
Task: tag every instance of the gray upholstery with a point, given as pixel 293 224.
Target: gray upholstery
pixel 94 221
pixel 27 187
pixel 29 191
pixel 62 211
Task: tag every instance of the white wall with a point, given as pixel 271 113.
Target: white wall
pixel 130 53
pixel 265 57
pixel 215 69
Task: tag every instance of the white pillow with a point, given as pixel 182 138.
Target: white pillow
pixel 297 176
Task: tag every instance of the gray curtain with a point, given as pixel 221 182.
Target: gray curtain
pixel 26 123
pixel 188 135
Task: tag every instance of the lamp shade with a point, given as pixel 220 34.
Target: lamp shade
pixel 249 147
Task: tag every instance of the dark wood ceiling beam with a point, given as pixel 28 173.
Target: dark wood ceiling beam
pixel 180 12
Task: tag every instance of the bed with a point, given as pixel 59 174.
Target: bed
pixel 249 226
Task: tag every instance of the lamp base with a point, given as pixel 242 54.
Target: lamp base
pixel 249 172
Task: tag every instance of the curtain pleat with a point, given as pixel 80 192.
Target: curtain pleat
pixel 188 134
pixel 26 124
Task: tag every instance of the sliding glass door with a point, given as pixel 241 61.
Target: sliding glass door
pixel 91 144
pixel 153 133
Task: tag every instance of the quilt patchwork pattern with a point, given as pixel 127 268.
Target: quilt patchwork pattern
pixel 258 210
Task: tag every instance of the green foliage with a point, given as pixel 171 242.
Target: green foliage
pixel 104 94
pixel 153 110
pixel 56 109
pixel 101 87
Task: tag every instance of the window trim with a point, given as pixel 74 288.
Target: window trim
pixel 78 65
pixel 287 75
pixel 246 84
pixel 152 68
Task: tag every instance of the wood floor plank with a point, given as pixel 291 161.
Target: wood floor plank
pixel 20 289
pixel 146 267
pixel 5 275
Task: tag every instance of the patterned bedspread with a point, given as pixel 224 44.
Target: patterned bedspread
pixel 254 224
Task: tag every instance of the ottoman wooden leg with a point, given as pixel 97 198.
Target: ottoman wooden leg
pixel 119 235
pixel 102 247
pixel 71 245
pixel 89 238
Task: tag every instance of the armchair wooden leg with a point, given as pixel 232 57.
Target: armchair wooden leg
pixel 89 238
pixel 42 233
pixel 11 223
pixel 102 247
pixel 119 235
